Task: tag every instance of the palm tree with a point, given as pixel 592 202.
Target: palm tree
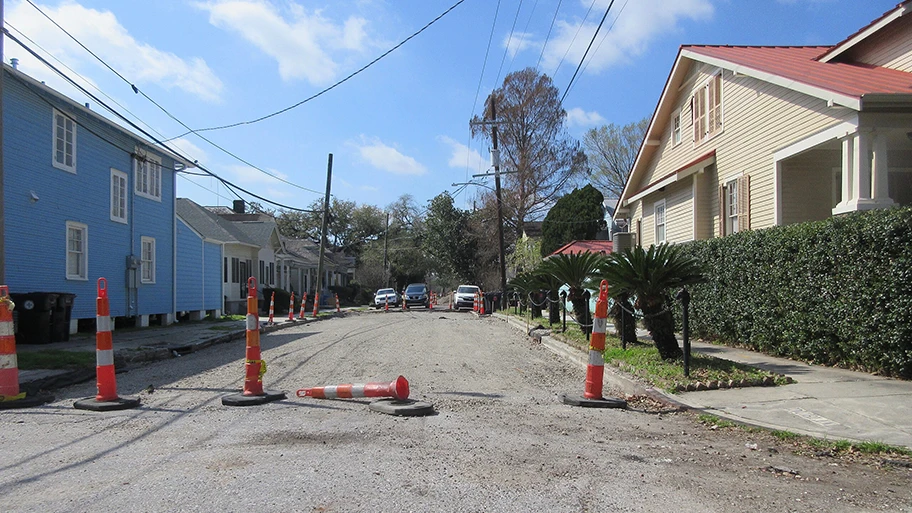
pixel 574 270
pixel 547 281
pixel 649 276
pixel 522 285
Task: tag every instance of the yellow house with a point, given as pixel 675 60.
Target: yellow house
pixel 748 137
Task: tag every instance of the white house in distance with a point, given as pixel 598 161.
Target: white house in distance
pixel 749 137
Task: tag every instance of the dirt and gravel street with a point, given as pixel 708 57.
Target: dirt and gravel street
pixel 500 440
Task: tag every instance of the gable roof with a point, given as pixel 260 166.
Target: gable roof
pixel 583 246
pixel 868 30
pixel 209 225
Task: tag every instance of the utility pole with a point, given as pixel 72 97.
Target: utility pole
pixel 386 237
pixel 2 208
pixel 329 172
pixel 500 234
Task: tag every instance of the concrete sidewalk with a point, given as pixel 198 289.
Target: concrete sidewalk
pixel 822 402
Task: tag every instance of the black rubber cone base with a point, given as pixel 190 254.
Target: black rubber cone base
pixel 604 402
pixel 403 408
pixel 121 403
pixel 28 401
pixel 253 400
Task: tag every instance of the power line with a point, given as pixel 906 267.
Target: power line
pixel 578 29
pixel 302 102
pixel 569 85
pixel 509 40
pixel 132 124
pixel 602 41
pixel 524 32
pixel 138 91
pixel 548 37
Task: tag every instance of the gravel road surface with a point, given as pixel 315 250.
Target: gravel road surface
pixel 500 441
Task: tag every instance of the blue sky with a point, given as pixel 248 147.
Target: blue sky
pixel 401 125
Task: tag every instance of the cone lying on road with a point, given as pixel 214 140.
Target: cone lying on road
pixel 398 389
pixel 107 398
pixel 10 396
pixel 254 366
pixel 595 371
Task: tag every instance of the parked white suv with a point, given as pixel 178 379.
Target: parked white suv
pixel 465 296
pixel 384 297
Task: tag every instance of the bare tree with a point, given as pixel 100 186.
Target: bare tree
pixel 612 150
pixel 540 159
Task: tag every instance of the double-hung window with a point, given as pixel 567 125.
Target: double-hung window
pixel 148 260
pixel 660 221
pixel 676 128
pixel 64 143
pixel 706 106
pixel 147 176
pixel 118 196
pixel 734 203
pixel 77 253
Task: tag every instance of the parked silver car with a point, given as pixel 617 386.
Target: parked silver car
pixel 384 296
pixel 465 296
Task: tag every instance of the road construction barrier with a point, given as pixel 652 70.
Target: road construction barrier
pixel 291 308
pixel 316 303
pixel 254 366
pixel 301 314
pixel 404 304
pixel 595 371
pixel 452 300
pixel 107 398
pixel 481 304
pixel 431 299
pixel 398 389
pixel 337 304
pixel 386 304
pixel 272 309
pixel 9 364
pixel 475 302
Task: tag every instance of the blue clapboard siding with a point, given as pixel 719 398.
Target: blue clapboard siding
pixel 35 231
pixel 199 271
pixel 213 276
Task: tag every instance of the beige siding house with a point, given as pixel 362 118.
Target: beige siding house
pixel 753 137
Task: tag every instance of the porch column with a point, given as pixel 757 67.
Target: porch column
pixel 863 189
pixel 880 186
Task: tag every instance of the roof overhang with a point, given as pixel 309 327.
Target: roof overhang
pixel 674 176
pixel 875 26
pixel 830 97
pixel 875 102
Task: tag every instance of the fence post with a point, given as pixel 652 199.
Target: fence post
pixel 586 295
pixel 684 296
pixel 563 296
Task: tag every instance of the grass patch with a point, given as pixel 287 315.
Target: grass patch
pixel 56 359
pixel 712 420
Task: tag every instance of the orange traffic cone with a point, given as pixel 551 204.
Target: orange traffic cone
pixel 316 303
pixel 431 302
pixel 337 304
pixel 10 396
pixel 107 398
pixel 291 308
pixel 272 309
pixel 398 389
pixel 303 300
pixel 254 367
pixel 481 302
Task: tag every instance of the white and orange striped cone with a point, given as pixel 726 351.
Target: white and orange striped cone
pixel 475 302
pixel 404 304
pixel 337 304
pixel 481 310
pixel 398 389
pixel 107 398
pixel 291 308
pixel 10 395
pixel 254 366
pixel 431 302
pixel 301 314
pixel 452 300
pixel 316 303
pixel 595 370
pixel 271 309
pixel 386 307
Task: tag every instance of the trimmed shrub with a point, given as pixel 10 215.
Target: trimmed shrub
pixel 834 292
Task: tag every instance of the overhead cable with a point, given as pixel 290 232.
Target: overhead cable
pixel 578 66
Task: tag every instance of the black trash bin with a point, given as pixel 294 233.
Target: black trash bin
pixel 60 319
pixel 36 311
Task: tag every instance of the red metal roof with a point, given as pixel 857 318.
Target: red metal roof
pixel 798 63
pixel 582 246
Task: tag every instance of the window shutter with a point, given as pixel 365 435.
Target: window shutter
pixel 721 211
pixel 744 203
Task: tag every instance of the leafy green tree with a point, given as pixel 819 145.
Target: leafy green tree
pixel 405 255
pixel 448 240
pixel 612 150
pixel 574 270
pixel 650 276
pixel 576 216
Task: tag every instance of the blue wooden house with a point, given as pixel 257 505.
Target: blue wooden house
pixel 84 199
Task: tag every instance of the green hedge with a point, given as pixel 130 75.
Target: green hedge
pixel 835 292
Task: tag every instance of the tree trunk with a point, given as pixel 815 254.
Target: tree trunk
pixel 661 327
pixel 553 308
pixel 579 312
pixel 624 317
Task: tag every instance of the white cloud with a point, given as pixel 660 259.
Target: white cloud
pixel 189 150
pixel 101 32
pixel 387 158
pixel 635 28
pixel 302 46
pixel 250 175
pixel 518 42
pixel 578 117
pixel 461 156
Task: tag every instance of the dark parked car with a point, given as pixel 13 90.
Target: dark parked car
pixel 417 294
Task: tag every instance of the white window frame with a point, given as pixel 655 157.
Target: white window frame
pixel 147 257
pixel 119 196
pixel 663 224
pixel 706 113
pixel 147 176
pixel 57 115
pixel 82 264
pixel 731 207
pixel 676 129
